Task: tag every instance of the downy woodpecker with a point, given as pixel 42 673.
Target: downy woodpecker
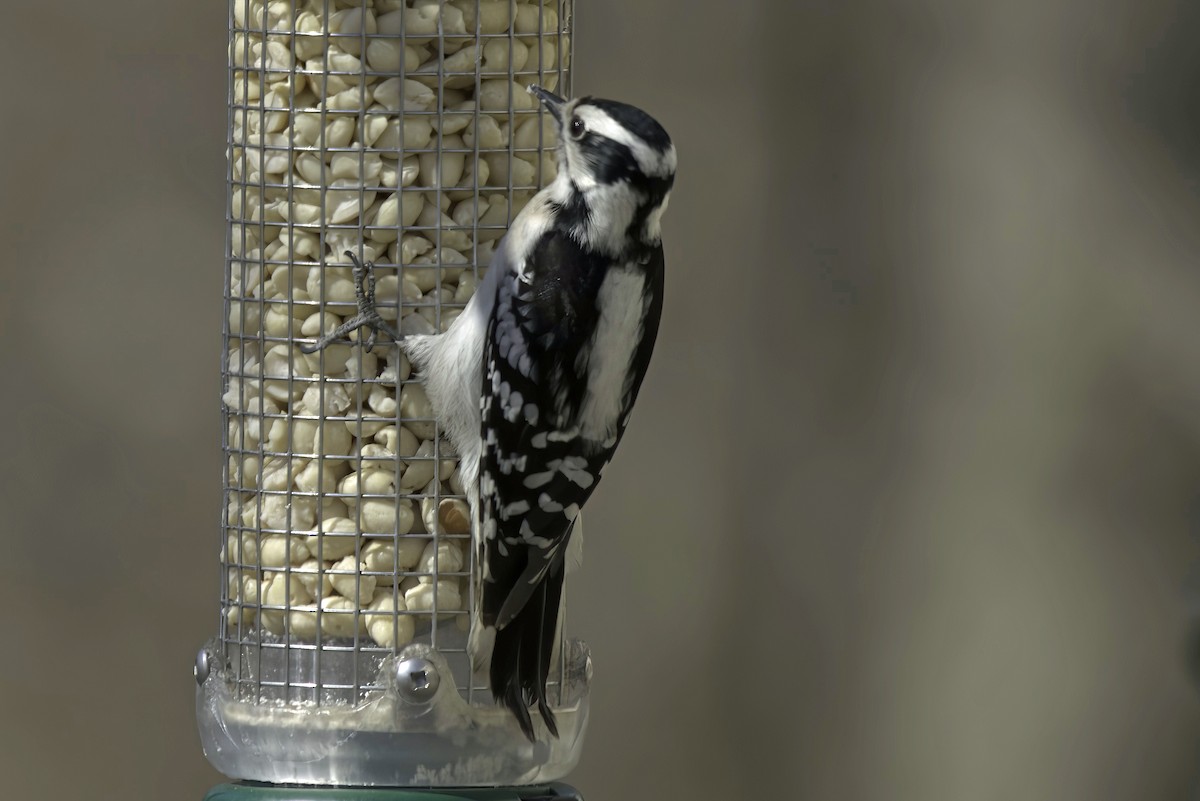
pixel 534 382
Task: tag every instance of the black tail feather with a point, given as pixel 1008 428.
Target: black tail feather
pixel 521 655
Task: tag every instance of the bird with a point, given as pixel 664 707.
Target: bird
pixel 533 383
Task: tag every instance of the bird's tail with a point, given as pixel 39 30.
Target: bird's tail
pixel 522 651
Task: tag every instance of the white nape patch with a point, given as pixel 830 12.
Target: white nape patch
pixel 653 230
pixel 670 161
pixel 621 302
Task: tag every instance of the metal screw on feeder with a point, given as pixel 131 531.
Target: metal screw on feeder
pixel 201 669
pixel 397 133
pixel 417 680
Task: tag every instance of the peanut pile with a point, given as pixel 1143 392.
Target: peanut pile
pixel 399 130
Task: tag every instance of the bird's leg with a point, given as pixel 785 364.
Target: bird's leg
pixel 368 315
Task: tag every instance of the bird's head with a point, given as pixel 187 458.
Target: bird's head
pixel 616 167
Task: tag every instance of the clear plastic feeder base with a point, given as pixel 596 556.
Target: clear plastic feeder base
pixel 249 792
pixel 416 730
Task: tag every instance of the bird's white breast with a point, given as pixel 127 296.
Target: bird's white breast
pixel 622 309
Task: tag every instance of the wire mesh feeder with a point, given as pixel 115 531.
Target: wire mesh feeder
pixel 397 132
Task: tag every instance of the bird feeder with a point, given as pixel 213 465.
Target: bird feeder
pixel 398 133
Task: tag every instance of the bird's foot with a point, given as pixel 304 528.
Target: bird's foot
pixel 367 316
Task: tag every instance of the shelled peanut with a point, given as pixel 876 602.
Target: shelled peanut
pixel 363 126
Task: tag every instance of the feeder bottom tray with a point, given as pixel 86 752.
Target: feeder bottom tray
pixel 266 792
pixel 398 736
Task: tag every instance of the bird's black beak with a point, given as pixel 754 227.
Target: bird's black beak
pixel 553 103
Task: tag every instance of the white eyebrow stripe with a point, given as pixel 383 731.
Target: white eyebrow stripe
pixel 649 161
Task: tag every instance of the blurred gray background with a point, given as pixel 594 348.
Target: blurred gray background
pixel 907 508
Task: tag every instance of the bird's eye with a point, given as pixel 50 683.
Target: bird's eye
pixel 577 127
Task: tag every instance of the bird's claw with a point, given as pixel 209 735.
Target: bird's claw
pixel 368 315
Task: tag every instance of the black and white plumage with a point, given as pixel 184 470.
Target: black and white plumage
pixel 535 381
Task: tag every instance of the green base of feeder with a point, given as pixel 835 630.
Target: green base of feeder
pixel 274 792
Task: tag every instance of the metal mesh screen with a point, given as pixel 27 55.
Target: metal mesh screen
pixel 400 131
